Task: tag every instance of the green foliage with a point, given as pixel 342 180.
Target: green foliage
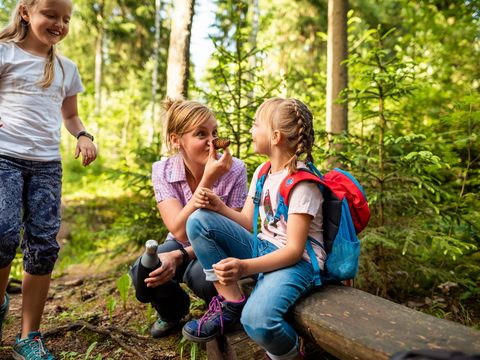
pixel 236 62
pixel 124 284
pixel 193 346
pixel 422 191
pixel 73 355
pixel 89 351
pixel 111 306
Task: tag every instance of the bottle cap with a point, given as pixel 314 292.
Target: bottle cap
pixel 151 246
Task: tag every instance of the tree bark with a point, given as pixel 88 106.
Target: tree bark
pixel 337 75
pixel 179 49
pixel 156 61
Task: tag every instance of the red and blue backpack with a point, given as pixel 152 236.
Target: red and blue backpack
pixel 345 214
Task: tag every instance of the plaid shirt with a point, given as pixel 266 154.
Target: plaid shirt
pixel 170 182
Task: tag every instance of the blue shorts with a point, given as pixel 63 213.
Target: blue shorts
pixel 30 199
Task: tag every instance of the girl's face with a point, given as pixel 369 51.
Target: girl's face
pixel 49 21
pixel 261 136
pixel 195 144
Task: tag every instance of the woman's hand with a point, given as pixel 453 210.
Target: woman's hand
pixel 170 261
pixel 205 198
pixel 215 168
pixel 229 270
pixel 87 148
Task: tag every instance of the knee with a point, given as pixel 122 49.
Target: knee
pixel 41 260
pixel 9 241
pixel 258 324
pixel 196 223
pixel 6 257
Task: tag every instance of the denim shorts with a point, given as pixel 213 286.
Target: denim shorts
pixel 30 199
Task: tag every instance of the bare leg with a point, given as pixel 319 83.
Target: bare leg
pixel 4 273
pixel 229 292
pixel 34 296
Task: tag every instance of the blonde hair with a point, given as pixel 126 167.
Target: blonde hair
pixel 181 116
pixel 295 122
pixel 17 29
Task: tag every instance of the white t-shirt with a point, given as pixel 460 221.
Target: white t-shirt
pixel 31 115
pixel 305 198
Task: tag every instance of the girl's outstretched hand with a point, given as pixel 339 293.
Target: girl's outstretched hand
pixel 215 168
pixel 205 198
pixel 87 148
pixel 229 270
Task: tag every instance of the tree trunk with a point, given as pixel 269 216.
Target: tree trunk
pixel 337 75
pixel 179 49
pixel 156 61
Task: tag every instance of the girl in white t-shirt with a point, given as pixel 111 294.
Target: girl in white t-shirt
pixel 221 238
pixel 38 88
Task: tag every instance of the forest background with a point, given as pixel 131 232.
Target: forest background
pixel 412 141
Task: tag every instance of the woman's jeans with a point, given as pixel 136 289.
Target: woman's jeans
pixel 170 300
pixel 215 237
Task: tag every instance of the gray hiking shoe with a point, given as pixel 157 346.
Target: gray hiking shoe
pixel 161 328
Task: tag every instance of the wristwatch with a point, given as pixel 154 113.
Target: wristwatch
pixel 84 133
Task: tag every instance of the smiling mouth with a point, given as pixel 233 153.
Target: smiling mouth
pixel 54 33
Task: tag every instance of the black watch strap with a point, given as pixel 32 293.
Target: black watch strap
pixel 185 256
pixel 85 133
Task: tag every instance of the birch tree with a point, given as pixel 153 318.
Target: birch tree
pixel 179 49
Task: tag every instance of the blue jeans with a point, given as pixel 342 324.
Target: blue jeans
pixel 215 237
pixel 30 195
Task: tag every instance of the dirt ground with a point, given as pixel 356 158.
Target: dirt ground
pixel 77 317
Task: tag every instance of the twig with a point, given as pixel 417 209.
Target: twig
pixel 109 332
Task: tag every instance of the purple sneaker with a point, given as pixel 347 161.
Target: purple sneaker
pixel 221 315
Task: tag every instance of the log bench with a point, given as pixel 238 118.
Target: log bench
pixel 351 324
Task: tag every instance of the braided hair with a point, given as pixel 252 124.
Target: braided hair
pixel 305 133
pixel 295 122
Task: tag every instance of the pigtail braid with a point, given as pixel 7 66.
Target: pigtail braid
pixel 305 132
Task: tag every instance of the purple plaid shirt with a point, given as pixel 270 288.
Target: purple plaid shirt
pixel 170 182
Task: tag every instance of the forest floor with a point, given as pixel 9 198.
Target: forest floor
pixel 84 318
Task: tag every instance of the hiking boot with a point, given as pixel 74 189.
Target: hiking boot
pixel 221 315
pixel 161 328
pixel 3 313
pixel 31 348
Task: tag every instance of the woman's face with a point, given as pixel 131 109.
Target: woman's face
pixel 195 144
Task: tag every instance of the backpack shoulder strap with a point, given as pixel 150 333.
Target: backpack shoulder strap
pixel 262 175
pixel 290 181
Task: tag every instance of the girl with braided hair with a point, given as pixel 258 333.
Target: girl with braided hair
pixel 221 238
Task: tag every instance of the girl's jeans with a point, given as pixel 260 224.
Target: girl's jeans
pixel 30 194
pixel 215 237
